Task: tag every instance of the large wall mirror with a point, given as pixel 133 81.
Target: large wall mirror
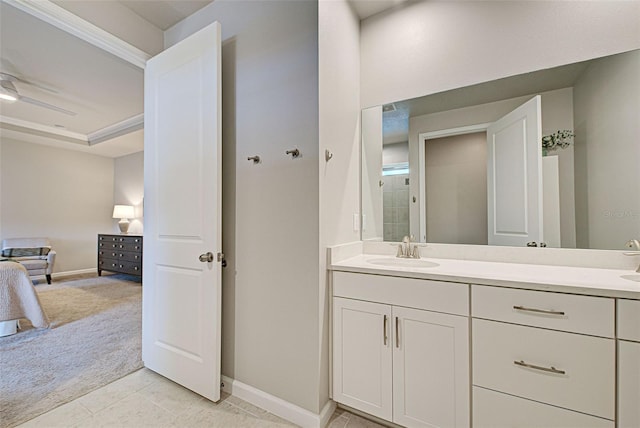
pixel 426 162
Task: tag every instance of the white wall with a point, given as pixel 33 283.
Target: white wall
pixel 339 132
pixel 426 47
pixel 607 118
pixel 128 188
pixel 64 195
pixel 271 320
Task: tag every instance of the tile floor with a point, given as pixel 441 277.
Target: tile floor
pixel 145 399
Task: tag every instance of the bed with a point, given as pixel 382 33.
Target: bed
pixel 18 299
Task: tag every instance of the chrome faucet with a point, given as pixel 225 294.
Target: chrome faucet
pixel 635 245
pixel 407 249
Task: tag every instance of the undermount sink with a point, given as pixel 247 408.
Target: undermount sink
pixel 632 277
pixel 402 262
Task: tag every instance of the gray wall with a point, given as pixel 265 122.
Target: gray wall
pixel 270 335
pixel 424 47
pixel 456 189
pixel 607 120
pixel 64 195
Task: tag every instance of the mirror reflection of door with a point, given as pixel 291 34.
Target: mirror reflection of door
pixel 514 176
pixel 468 200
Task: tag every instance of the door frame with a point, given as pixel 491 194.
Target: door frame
pixel 422 141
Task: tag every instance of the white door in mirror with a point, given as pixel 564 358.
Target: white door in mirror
pixel 514 176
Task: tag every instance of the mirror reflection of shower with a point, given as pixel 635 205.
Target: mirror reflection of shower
pixel 395 197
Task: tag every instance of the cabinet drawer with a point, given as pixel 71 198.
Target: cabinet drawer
pixel 493 409
pixel 566 312
pixel 501 351
pixel 629 319
pixel 438 296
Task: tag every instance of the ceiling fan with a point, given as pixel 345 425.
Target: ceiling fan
pixel 8 92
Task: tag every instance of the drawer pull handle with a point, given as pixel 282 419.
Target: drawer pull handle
pixel 384 330
pixel 540 311
pixel 397 333
pixel 544 369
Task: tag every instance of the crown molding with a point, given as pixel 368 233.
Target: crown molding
pixel 61 18
pixel 39 130
pixel 117 129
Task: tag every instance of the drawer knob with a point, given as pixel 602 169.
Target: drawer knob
pixel 539 311
pixel 544 369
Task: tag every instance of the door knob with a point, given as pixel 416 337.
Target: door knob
pixel 206 257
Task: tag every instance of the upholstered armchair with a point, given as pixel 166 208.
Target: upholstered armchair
pixel 35 254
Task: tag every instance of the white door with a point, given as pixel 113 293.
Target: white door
pixel 514 176
pixel 430 369
pixel 362 356
pixel 182 179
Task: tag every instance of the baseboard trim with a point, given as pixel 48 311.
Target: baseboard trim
pixel 277 406
pixel 72 272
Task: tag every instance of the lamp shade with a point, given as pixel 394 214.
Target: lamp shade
pixel 123 211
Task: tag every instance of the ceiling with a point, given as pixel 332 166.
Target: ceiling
pixel 396 119
pixel 164 14
pixel 60 69
pixel 103 91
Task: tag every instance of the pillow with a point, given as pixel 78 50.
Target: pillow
pixel 25 252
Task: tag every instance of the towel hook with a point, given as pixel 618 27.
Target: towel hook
pixel 255 159
pixel 293 152
pixel 327 155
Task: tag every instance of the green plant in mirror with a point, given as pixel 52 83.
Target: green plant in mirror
pixel 558 140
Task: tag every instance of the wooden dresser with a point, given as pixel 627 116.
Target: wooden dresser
pixel 120 253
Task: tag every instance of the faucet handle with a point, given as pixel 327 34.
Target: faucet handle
pixel 633 243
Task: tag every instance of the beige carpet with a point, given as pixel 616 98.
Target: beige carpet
pixel 94 339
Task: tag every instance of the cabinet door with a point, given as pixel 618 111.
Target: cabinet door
pixel 628 384
pixel 362 356
pixel 430 369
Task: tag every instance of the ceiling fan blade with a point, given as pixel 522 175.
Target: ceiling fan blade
pixel 16 78
pixel 46 105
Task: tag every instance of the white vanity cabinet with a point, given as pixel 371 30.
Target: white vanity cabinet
pixel 628 363
pixel 542 359
pixel 401 349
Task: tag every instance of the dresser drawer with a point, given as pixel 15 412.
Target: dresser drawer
pixel 120 266
pixel 493 409
pixel 528 362
pixel 557 311
pixel 629 319
pixel 119 239
pixel 128 256
pixel 438 296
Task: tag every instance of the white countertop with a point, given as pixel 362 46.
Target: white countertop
pixel 577 280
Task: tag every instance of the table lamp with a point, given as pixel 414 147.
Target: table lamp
pixel 124 213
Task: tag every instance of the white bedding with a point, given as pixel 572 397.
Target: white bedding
pixel 18 297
